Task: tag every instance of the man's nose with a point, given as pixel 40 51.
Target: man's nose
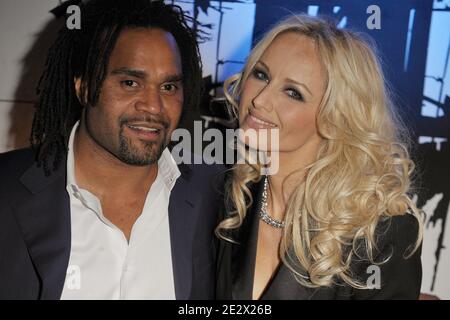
pixel 150 101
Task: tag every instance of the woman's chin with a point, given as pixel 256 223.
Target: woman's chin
pixel 258 139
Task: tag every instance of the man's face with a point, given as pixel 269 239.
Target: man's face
pixel 141 98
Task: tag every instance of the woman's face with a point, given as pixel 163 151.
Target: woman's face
pixel 283 91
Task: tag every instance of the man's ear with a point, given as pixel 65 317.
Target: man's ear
pixel 77 82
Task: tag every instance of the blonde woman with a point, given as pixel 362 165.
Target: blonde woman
pixel 336 221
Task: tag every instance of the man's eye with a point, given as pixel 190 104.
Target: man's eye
pixel 130 83
pixel 294 94
pixel 169 87
pixel 260 75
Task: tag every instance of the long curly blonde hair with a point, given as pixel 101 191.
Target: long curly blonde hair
pixel 362 171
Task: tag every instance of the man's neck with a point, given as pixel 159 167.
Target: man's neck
pixel 104 175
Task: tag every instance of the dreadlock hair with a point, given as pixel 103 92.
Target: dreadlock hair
pixel 84 53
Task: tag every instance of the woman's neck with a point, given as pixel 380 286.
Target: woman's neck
pixel 282 184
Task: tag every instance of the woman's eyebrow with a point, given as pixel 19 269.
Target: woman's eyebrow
pixel 300 84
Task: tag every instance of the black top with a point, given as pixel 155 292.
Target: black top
pixel 400 277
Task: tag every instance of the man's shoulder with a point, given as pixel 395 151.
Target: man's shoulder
pixel 14 163
pixel 200 168
pixel 204 175
pixel 204 169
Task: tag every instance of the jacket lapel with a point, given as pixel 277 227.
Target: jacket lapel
pixel 244 253
pixel 44 218
pixel 183 212
pixel 283 285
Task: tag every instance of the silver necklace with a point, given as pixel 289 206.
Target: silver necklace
pixel 264 215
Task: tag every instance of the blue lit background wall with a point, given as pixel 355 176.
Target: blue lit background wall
pixel 414 44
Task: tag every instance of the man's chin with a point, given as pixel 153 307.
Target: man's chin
pixel 138 160
pixel 143 154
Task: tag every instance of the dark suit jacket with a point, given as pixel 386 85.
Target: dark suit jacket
pixel 35 230
pixel 400 278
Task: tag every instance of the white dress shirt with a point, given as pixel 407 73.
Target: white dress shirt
pixel 103 265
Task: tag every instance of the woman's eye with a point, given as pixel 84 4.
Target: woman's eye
pixel 130 83
pixel 294 94
pixel 260 75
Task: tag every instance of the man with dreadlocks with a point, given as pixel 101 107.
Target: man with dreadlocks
pixel 98 208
